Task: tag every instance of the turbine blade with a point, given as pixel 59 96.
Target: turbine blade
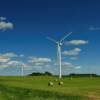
pixel 53 40
pixel 65 37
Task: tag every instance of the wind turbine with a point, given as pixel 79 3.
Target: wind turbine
pixel 22 69
pixel 59 44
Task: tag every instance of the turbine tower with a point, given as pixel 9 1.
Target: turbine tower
pixel 22 72
pixel 22 69
pixel 59 44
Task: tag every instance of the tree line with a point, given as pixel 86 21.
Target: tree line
pixel 70 75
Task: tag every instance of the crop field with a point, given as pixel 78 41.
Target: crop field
pixel 36 88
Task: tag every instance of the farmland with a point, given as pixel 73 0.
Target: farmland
pixel 36 88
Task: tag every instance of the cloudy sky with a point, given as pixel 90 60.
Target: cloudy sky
pixel 25 24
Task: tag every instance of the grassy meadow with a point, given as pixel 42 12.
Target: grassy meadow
pixel 36 88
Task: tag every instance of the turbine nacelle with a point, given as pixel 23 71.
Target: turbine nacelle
pixel 60 44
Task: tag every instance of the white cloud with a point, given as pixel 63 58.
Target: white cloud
pixel 78 67
pixel 39 60
pixel 39 64
pixel 2 18
pixel 6 25
pixel 77 42
pixel 73 52
pixel 64 64
pixel 4 59
pixel 9 54
pixel 21 55
pixel 15 63
pixel 68 64
pixel 12 63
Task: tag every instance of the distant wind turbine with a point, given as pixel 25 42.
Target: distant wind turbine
pixel 59 44
pixel 22 69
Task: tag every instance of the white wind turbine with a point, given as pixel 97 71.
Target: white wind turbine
pixel 59 44
pixel 22 69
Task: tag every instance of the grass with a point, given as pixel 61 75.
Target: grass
pixel 36 88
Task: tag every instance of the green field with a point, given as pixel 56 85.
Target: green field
pixel 36 88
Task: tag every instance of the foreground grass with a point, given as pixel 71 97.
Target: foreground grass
pixel 36 88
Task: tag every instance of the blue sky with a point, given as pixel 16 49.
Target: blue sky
pixel 25 24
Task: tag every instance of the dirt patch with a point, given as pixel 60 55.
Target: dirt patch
pixel 93 96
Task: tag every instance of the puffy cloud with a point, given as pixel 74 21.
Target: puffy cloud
pixel 77 42
pixel 68 64
pixel 4 59
pixel 78 67
pixel 39 60
pixel 16 63
pixel 6 25
pixel 39 64
pixel 13 63
pixel 73 52
pixel 9 54
pixel 2 18
pixel 21 55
